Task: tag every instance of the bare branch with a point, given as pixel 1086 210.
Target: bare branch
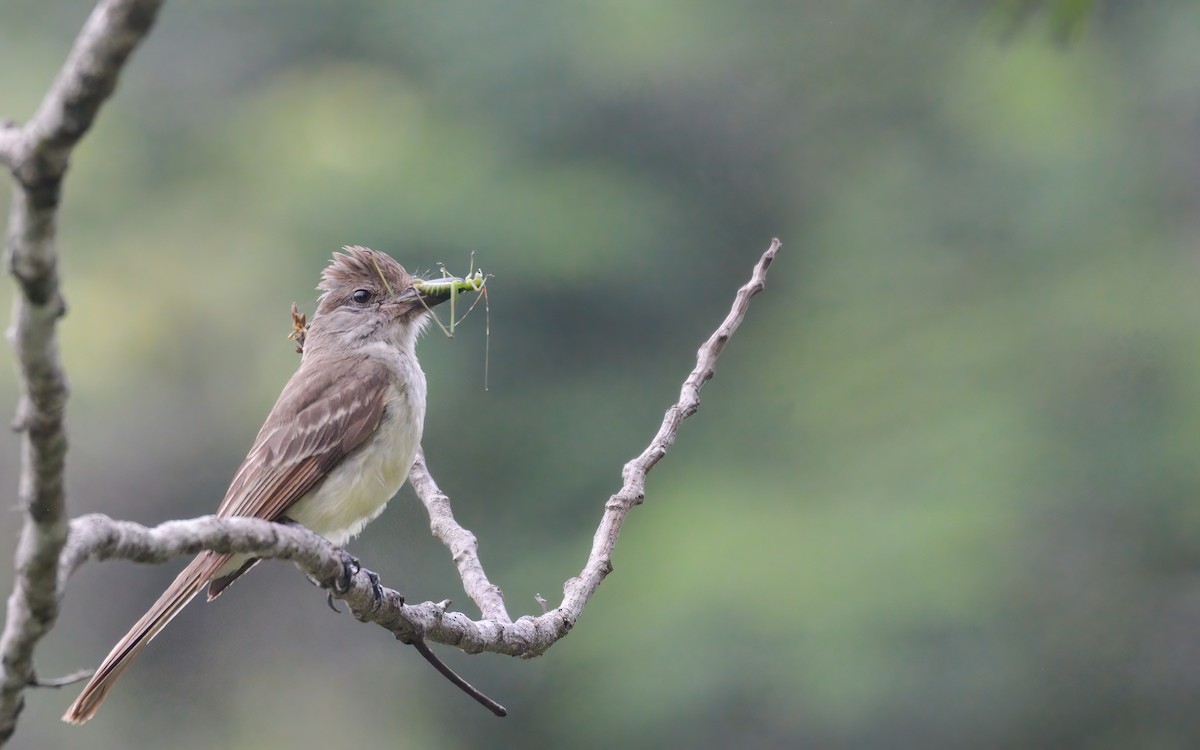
pixel 423 649
pixel 579 590
pixel 10 137
pixel 98 537
pixel 61 682
pixel 461 543
pixel 38 154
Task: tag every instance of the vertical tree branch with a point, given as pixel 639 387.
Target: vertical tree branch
pixel 37 155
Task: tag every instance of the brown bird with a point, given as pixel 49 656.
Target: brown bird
pixel 337 445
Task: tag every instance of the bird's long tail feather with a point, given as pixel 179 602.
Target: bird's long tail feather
pixel 174 599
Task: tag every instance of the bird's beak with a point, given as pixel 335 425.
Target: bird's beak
pixel 414 299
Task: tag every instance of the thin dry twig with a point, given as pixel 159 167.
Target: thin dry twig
pixel 61 682
pixel 578 590
pixel 37 155
pixel 423 649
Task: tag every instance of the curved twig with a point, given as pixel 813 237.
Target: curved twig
pixel 462 543
pixel 578 590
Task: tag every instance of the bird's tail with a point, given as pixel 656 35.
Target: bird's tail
pixel 175 598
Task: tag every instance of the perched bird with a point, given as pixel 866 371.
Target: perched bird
pixel 337 445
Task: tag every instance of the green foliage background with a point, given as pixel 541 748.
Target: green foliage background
pixel 942 492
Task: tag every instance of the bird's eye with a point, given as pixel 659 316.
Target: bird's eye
pixel 361 296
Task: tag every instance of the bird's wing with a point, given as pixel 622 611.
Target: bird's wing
pixel 309 431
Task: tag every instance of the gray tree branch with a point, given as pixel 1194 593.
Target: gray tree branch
pixel 578 590
pixel 37 154
pixel 464 549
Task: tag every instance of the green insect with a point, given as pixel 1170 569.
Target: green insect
pixel 474 281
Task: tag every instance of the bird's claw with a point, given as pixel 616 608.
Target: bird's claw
pixel 376 586
pixel 351 568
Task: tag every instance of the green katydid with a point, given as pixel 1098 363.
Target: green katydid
pixel 474 281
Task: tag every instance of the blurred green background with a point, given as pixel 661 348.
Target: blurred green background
pixel 942 492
